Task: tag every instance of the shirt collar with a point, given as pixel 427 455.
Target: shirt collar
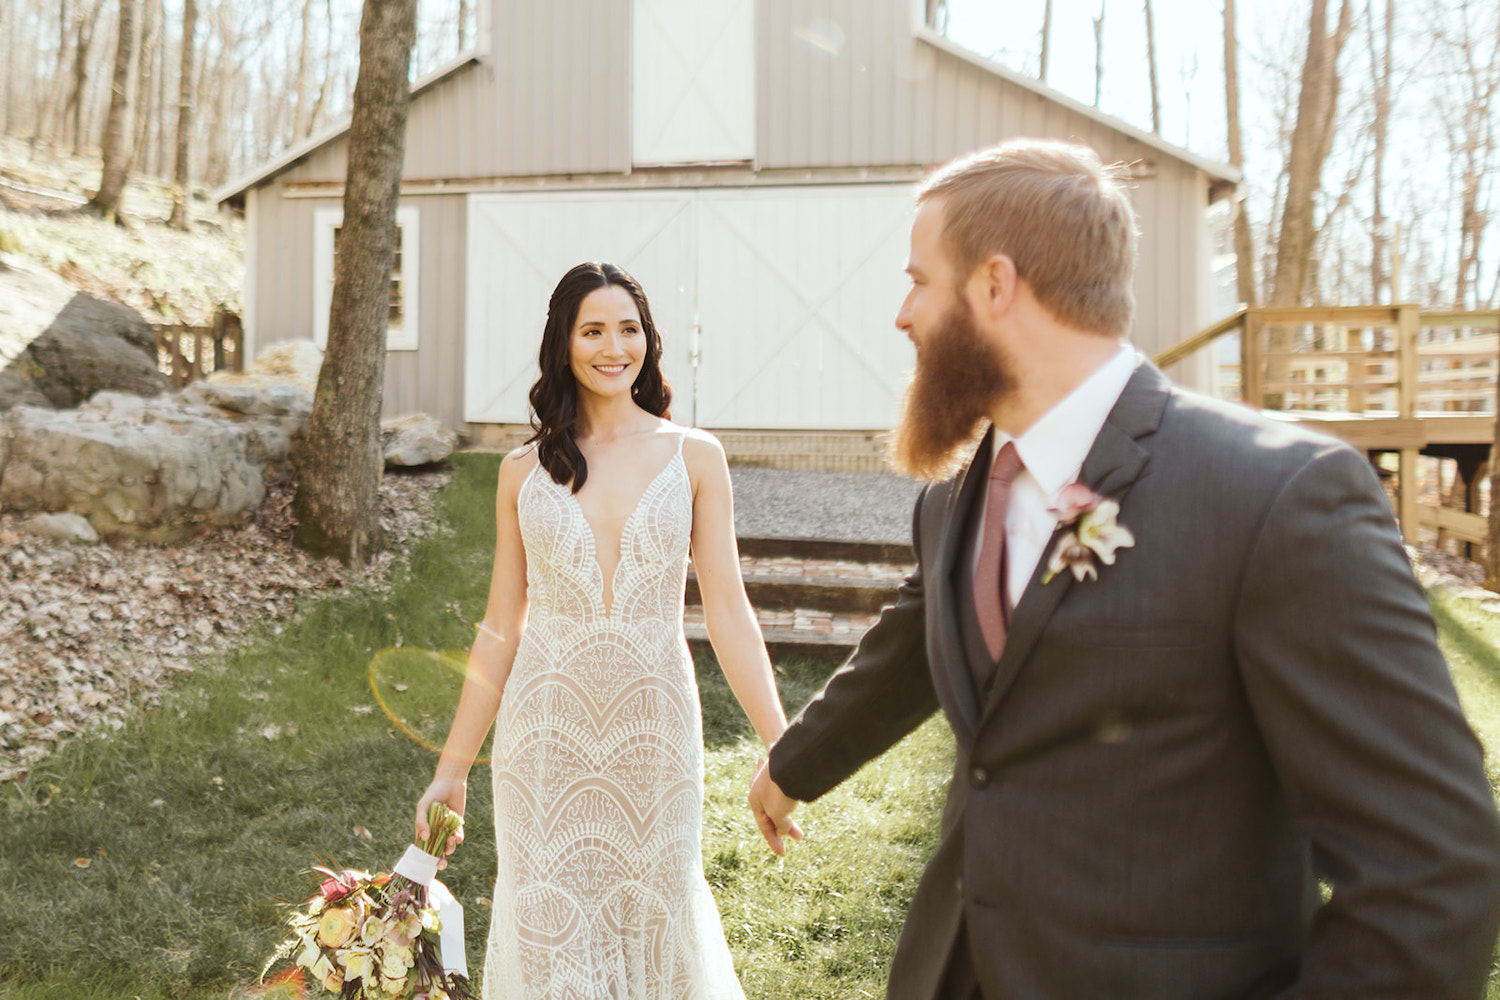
pixel 1053 448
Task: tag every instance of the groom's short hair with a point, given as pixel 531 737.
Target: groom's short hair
pixel 1056 211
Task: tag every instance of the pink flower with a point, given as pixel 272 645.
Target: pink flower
pixel 1095 534
pixel 1075 500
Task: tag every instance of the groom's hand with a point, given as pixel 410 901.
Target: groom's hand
pixel 772 810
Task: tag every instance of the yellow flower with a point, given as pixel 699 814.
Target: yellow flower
pixel 358 963
pixel 395 962
pixel 326 974
pixel 393 986
pixel 336 927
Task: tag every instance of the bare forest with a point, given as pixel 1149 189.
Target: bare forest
pixel 1369 156
pixel 256 78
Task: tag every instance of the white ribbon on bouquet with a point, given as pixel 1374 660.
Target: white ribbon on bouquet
pixel 421 867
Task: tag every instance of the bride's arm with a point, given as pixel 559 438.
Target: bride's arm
pixel 492 654
pixel 732 628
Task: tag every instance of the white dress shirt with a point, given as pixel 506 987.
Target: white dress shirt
pixel 1053 450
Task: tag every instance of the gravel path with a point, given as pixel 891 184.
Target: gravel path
pixel 848 506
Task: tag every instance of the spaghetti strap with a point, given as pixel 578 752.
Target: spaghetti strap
pixel 681 438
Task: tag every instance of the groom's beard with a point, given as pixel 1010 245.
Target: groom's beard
pixel 957 379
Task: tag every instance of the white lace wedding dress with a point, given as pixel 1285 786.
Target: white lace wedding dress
pixel 598 768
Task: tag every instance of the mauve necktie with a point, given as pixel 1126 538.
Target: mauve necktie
pixel 991 600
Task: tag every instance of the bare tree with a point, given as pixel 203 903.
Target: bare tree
pixel 304 58
pixel 1312 137
pixel 1151 62
pixel 1244 252
pixel 83 42
pixel 1099 53
pixel 145 106
pixel 1381 62
pixel 1046 40
pixel 1466 107
pixel 105 202
pixel 339 464
pixel 181 176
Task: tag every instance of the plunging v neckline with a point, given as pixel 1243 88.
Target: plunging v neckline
pixel 593 537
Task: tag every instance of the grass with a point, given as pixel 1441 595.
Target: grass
pixel 149 863
pixel 202 813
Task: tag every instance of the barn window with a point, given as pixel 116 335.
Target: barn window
pixel 401 329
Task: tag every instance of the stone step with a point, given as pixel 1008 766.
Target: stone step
pixel 813 597
pixel 802 632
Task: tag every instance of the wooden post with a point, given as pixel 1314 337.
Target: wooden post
pixel 1408 514
pixel 1408 321
pixel 1251 377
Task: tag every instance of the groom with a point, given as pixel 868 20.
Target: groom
pixel 1206 748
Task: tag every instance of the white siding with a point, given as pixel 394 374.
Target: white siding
pixel 520 245
pixel 789 293
pixel 693 81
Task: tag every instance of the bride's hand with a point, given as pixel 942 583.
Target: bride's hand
pixel 451 791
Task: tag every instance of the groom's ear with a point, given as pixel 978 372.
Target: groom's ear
pixel 993 285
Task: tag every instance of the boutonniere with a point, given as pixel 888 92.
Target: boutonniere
pixel 1091 533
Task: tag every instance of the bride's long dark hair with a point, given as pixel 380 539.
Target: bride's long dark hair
pixel 554 396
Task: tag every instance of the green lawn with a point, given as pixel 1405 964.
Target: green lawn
pixel 203 814
pixel 151 863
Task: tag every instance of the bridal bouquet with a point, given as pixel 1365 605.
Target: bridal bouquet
pixel 389 936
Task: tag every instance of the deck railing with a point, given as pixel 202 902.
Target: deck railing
pixel 1367 363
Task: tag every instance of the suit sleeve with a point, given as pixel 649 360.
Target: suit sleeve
pixel 1337 651
pixel 880 694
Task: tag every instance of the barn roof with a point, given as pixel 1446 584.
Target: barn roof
pixel 1222 176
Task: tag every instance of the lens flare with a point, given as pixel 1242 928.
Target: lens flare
pixel 418 690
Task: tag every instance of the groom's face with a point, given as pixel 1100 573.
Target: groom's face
pixel 959 374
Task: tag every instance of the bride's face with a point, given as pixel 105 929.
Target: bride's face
pixel 608 344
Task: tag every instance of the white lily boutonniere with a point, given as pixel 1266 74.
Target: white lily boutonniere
pixel 1093 533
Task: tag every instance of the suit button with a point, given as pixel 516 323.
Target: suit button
pixel 979 778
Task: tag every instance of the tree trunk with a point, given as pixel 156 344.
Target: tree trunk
pixel 53 96
pixel 1381 61
pixel 83 42
pixel 144 110
pixel 180 173
pixel 303 58
pixel 323 77
pixel 1311 138
pixel 1151 62
pixel 1244 250
pixel 106 201
pixel 1046 40
pixel 339 464
pixel 1099 54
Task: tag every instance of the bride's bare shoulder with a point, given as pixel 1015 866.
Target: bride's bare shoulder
pixel 517 465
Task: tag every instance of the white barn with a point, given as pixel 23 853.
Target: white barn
pixel 750 162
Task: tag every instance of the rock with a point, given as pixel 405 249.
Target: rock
pixel 63 527
pixel 161 470
pixel 416 439
pixel 89 346
pixel 286 362
pixel 247 399
pixel 17 387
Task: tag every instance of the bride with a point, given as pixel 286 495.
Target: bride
pixel 581 664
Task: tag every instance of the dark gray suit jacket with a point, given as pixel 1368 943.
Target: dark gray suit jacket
pixel 1174 755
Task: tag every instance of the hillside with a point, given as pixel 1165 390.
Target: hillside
pixel 168 276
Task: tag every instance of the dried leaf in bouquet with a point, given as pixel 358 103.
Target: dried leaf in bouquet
pixel 388 935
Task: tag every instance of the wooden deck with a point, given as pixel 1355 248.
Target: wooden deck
pixel 1390 380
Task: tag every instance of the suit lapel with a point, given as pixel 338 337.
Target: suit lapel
pixel 952 673
pixel 1114 463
